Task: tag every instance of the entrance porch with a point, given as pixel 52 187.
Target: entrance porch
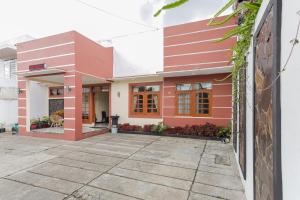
pixel 65 105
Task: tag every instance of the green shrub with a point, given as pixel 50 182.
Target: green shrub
pixel 225 132
pixel 159 128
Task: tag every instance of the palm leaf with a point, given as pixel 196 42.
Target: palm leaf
pixel 251 6
pixel 229 17
pixel 237 30
pixel 227 5
pixel 170 6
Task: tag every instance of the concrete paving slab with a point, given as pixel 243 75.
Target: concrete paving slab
pixel 168 165
pixel 222 160
pixel 194 196
pixel 58 185
pixel 218 192
pixel 67 173
pixel 211 162
pixel 11 163
pixel 63 150
pixel 93 158
pixel 217 152
pixel 169 158
pixel 164 170
pixel 126 143
pixel 11 190
pixel 91 193
pixel 135 137
pixel 218 180
pixel 116 148
pixel 138 189
pixel 171 182
pixel 214 147
pixel 173 140
pixel 80 164
pixel 57 151
pixel 216 170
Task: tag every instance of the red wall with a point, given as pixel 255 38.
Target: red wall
pixel 70 48
pixel 192 46
pixel 221 101
pixel 92 58
pixel 53 50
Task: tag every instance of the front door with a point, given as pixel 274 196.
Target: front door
pixel 87 105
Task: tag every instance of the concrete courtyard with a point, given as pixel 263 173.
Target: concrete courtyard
pixel 116 167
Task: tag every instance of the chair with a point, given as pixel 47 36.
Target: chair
pixel 104 117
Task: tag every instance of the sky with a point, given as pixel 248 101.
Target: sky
pixel 39 18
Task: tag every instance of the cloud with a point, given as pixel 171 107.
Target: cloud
pixel 193 10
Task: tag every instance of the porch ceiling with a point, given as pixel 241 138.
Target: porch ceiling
pixel 58 79
pixel 51 79
pixel 90 80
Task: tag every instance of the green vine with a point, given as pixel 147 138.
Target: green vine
pixel 246 13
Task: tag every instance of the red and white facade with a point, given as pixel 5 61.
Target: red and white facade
pixel 188 90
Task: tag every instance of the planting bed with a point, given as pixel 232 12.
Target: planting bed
pixel 206 131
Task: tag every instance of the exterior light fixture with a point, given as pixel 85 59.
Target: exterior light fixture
pixel 68 88
pixel 19 91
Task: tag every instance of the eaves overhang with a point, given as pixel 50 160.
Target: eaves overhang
pixel 194 72
pixel 8 52
pixel 43 72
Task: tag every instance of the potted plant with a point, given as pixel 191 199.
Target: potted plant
pixel 15 129
pixel 2 129
pixel 45 122
pixel 34 124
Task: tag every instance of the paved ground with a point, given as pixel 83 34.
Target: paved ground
pixel 116 167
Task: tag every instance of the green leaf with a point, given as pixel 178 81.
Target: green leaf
pixel 229 17
pixel 170 6
pixel 227 5
pixel 235 31
pixel 251 6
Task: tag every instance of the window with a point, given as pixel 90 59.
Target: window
pixel 194 99
pixel 56 92
pixel 7 69
pixel 145 100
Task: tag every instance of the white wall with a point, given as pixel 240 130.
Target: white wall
pixel 149 48
pixel 8 112
pixel 8 102
pixel 38 97
pixel 290 98
pixel 120 104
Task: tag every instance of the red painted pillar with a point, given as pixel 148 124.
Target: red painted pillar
pixel 22 105
pixel 72 106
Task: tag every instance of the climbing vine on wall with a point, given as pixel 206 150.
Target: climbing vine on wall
pixel 246 13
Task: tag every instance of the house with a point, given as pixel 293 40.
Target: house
pixel 8 82
pixel 78 77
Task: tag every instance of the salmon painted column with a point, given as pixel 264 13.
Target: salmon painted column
pixel 72 106
pixel 23 108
